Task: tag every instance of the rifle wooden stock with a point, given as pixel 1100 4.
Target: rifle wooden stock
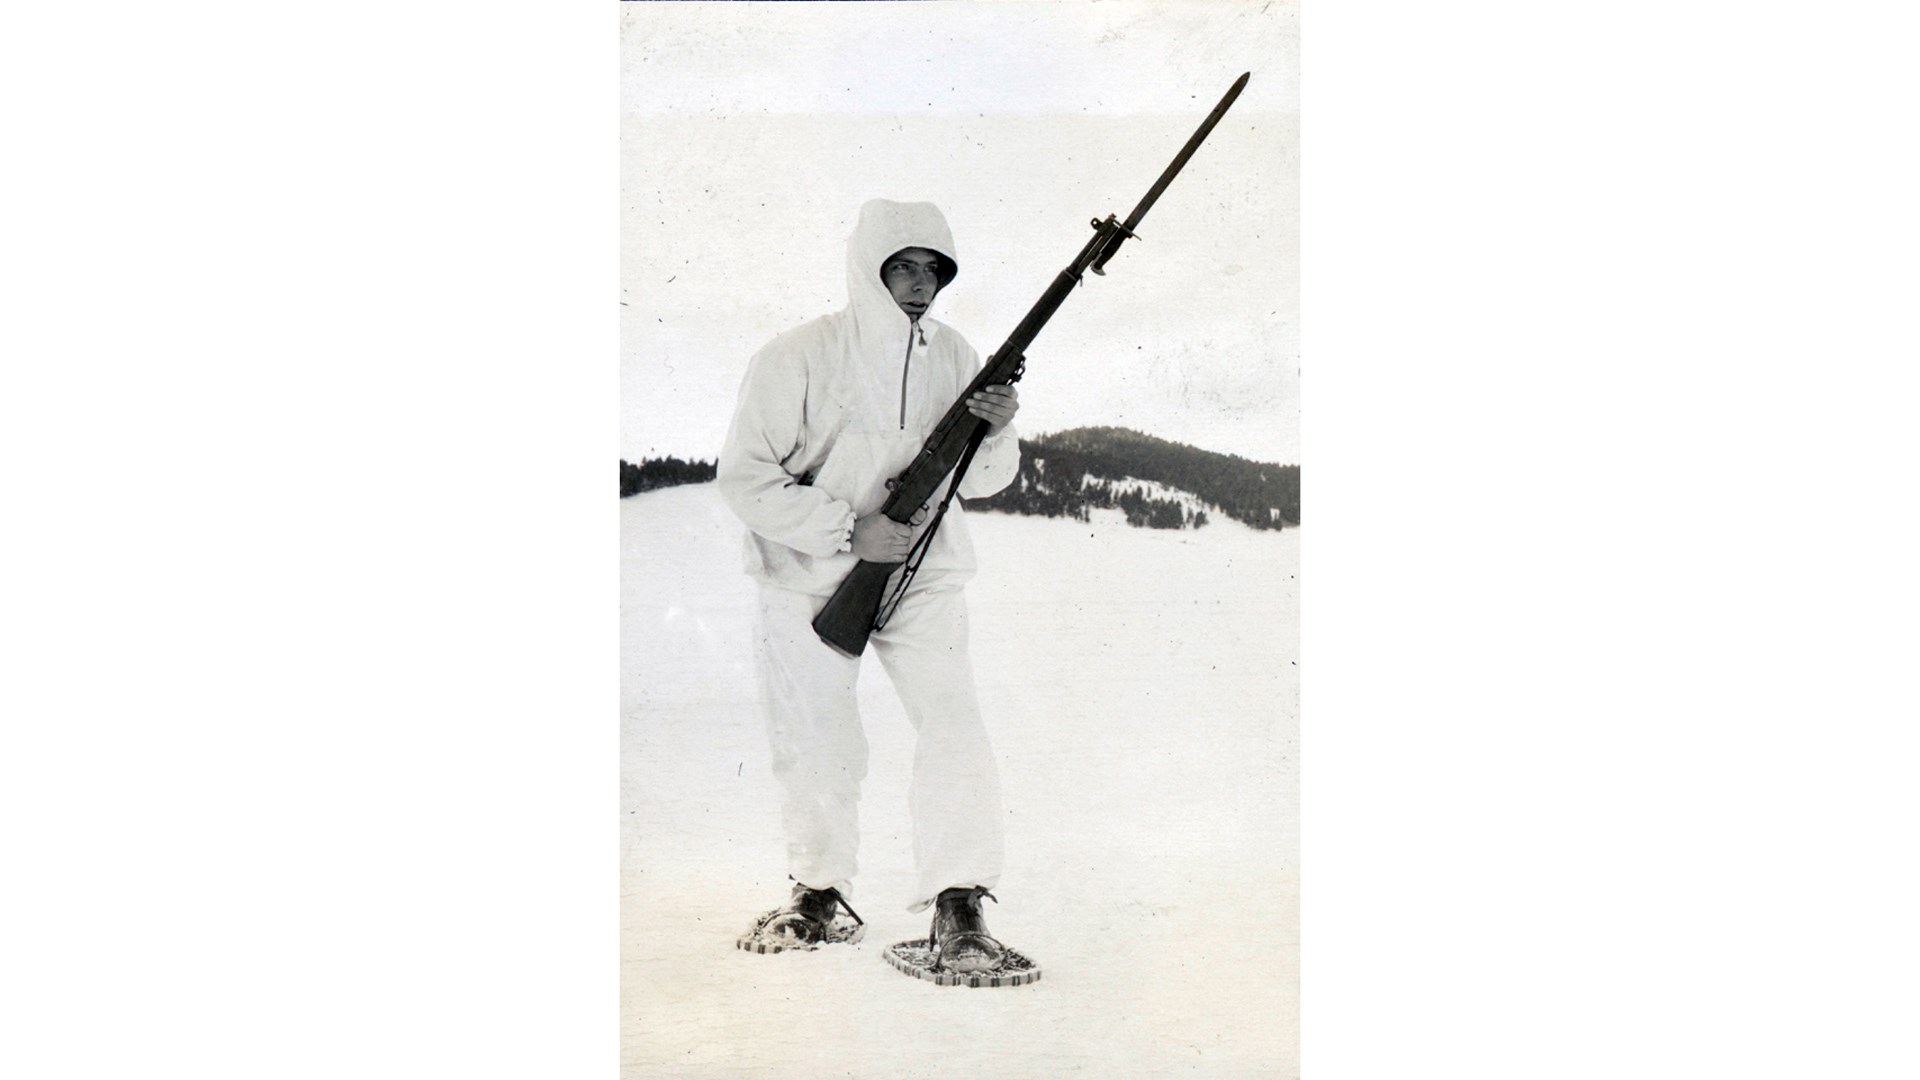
pixel 847 620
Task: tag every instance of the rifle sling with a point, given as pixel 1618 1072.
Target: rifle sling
pixel 919 550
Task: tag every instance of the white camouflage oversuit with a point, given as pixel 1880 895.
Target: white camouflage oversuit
pixel 828 413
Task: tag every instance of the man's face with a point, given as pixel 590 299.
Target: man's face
pixel 910 276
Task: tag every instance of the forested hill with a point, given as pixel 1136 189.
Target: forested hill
pixel 1158 484
pixel 1068 473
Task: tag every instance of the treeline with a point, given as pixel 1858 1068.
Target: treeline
pixel 654 473
pixel 1072 472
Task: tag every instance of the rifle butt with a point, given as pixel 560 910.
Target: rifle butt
pixel 847 620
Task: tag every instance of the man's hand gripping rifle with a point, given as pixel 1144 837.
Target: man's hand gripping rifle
pixel 855 610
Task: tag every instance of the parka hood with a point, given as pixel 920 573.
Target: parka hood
pixel 884 228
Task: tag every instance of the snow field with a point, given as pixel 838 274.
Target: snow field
pixel 1142 693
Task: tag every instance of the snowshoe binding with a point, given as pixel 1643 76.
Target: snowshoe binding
pixel 958 951
pixel 808 920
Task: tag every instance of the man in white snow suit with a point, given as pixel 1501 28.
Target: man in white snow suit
pixel 827 414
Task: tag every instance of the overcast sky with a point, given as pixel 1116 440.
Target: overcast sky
pixel 751 134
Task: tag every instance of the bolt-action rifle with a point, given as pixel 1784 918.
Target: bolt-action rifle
pixel 855 609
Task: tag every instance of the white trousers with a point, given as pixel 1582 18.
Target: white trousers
pixel 820 749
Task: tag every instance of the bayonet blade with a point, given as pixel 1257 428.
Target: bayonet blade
pixel 1200 136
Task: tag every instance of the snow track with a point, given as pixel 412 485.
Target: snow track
pixel 1142 690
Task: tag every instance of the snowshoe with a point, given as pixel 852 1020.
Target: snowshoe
pixel 808 920
pixel 958 951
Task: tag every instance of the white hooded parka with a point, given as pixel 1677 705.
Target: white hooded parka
pixel 831 410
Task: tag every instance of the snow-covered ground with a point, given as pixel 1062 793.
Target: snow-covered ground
pixel 1142 691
